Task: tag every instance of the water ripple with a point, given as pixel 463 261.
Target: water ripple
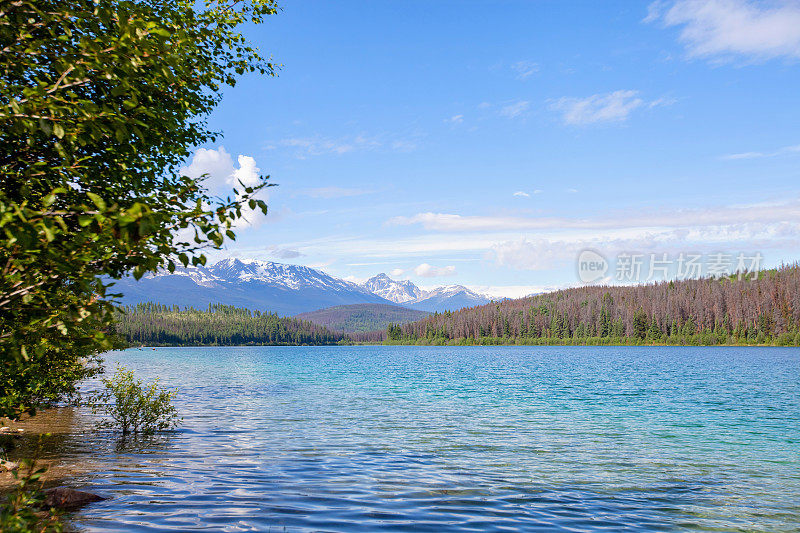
pixel 458 439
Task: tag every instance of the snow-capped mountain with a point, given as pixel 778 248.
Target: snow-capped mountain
pixel 263 285
pixel 396 291
pixel 294 277
pixel 284 289
pixel 447 298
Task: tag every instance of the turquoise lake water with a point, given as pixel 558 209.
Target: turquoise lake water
pixel 459 439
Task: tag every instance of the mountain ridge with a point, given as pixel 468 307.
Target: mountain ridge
pixel 284 289
pixel 396 291
pixel 405 293
pixel 250 283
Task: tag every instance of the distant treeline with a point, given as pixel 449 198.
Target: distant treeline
pixel 693 312
pixel 362 317
pixel 153 324
pixel 696 312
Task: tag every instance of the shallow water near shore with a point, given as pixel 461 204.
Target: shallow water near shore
pixel 457 439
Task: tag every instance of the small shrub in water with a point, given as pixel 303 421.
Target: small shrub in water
pixel 135 407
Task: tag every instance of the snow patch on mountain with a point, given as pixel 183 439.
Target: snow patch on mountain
pixel 395 291
pixel 294 277
pixel 199 275
pixel 287 289
pixel 404 292
pixel 452 290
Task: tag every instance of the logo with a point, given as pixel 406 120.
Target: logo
pixel 591 266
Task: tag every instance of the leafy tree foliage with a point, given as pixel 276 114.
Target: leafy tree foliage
pixel 155 324
pixel 702 312
pixel 23 510
pixel 100 103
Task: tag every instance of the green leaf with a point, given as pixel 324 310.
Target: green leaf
pixel 101 205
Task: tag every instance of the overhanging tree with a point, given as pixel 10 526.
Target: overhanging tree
pixel 100 104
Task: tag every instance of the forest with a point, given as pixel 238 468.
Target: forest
pixel 695 312
pixel 159 325
pixel 763 311
pixel 362 317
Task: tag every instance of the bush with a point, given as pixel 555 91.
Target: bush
pixel 134 407
pixel 23 510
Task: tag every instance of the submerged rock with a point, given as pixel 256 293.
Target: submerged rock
pixel 66 498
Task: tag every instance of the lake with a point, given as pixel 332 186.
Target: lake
pixel 378 438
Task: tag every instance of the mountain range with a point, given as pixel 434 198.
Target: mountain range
pixel 406 294
pixel 284 289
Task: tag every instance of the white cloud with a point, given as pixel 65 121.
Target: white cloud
pixel 724 29
pixel 766 212
pixel 559 246
pixel 222 175
pixel 319 265
pixel 531 242
pixel 333 192
pixel 515 109
pixel 547 253
pixel 496 292
pixel 403 145
pixel 391 249
pixel 525 69
pixel 526 253
pixel 661 102
pixel 610 107
pixel 284 253
pixel 455 119
pixel 460 223
pixel 427 271
pixel 745 155
pixel 786 150
pixel 522 194
pixel 305 147
pixel 248 174
pixel 217 165
pixel 314 146
pixel 530 255
pixel 655 10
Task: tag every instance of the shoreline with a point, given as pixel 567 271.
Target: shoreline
pixel 459 343
pixel 46 437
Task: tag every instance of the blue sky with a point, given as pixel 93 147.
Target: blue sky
pixel 487 144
